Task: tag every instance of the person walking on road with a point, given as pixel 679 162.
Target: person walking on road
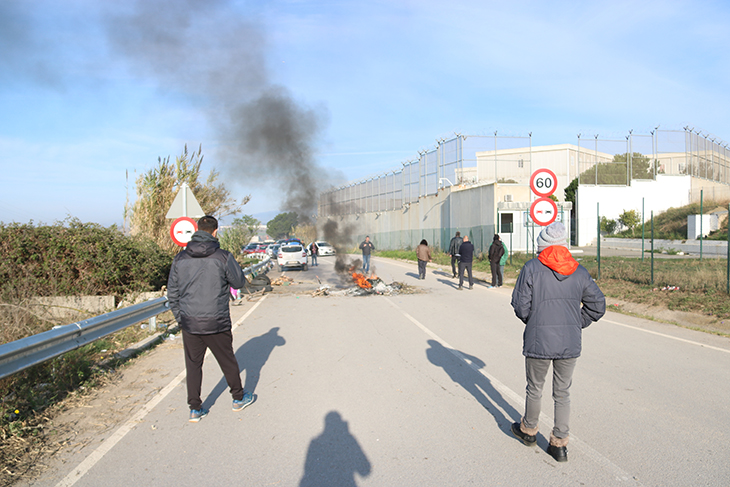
pixel 314 249
pixel 367 247
pixel 466 252
pixel 454 252
pixel 496 251
pixel 423 253
pixel 547 297
pixel 197 290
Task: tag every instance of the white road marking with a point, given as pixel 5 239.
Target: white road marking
pixel 546 420
pixel 667 336
pixel 117 436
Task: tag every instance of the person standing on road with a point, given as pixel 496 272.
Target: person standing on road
pixel 423 253
pixel 454 252
pixel 503 260
pixel 547 297
pixel 197 290
pixel 314 249
pixel 466 252
pixel 367 247
pixel 496 251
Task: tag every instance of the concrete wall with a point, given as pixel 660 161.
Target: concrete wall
pixel 473 211
pixel 710 248
pixel 63 309
pixel 668 191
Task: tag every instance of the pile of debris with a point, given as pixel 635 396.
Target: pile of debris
pixel 366 287
pixel 282 281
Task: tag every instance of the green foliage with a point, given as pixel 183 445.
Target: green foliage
pixel 234 238
pixel 615 172
pixel 570 191
pixel 629 219
pixel 282 225
pixel 72 258
pixel 608 226
pixel 157 188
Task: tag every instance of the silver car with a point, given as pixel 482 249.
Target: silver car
pixel 292 255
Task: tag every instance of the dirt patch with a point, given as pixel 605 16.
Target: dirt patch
pixel 696 321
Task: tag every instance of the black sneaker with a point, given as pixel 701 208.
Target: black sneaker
pixel 529 440
pixel 559 453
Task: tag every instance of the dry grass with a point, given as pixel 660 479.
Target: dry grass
pixel 31 398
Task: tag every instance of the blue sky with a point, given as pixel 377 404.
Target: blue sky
pixel 87 99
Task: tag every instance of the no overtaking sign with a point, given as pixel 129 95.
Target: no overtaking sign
pixel 543 210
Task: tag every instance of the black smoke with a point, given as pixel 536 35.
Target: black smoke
pixel 214 54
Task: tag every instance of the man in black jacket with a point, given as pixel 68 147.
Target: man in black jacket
pixel 454 251
pixel 198 291
pixel 466 252
pixel 496 251
pixel 556 298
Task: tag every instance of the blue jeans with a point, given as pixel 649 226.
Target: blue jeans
pixel 314 258
pixel 366 263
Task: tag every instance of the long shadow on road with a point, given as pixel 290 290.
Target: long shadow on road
pixel 334 457
pixel 252 357
pixel 454 363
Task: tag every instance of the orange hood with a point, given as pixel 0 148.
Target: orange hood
pixel 558 258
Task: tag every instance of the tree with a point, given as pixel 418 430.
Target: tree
pixel 570 191
pixel 282 225
pixel 157 188
pixel 306 231
pixel 608 225
pixel 629 219
pixel 615 172
pixel 235 237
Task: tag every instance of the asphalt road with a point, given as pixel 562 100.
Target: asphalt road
pixel 407 390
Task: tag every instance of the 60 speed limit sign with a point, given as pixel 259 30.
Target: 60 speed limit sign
pixel 543 182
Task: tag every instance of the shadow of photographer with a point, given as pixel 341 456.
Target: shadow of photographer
pixel 334 457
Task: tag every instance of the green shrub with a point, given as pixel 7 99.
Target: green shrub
pixel 74 258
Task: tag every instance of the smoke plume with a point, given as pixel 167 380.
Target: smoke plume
pixel 209 53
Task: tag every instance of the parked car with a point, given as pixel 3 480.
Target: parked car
pixel 325 248
pixel 273 250
pixel 292 255
pixel 249 249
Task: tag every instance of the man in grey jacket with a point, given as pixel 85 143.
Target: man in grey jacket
pixel 556 298
pixel 198 291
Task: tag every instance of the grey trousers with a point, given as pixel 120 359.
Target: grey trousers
pixel 536 371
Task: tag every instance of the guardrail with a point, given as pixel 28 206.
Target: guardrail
pixel 26 352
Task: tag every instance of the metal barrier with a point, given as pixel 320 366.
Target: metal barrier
pixel 26 352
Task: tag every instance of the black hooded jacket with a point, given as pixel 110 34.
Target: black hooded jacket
pixel 198 288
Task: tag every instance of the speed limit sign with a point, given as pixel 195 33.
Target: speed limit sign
pixel 543 211
pixel 543 182
pixel 182 230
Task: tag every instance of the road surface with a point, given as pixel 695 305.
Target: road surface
pixel 406 390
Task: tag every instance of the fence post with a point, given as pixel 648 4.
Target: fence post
pixel 598 239
pixel 652 247
pixel 701 199
pixel 642 229
pixel 728 248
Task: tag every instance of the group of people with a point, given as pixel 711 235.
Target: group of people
pixel 461 251
pixel 554 296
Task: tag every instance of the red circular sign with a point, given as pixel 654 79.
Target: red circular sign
pixel 543 211
pixel 543 182
pixel 182 230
